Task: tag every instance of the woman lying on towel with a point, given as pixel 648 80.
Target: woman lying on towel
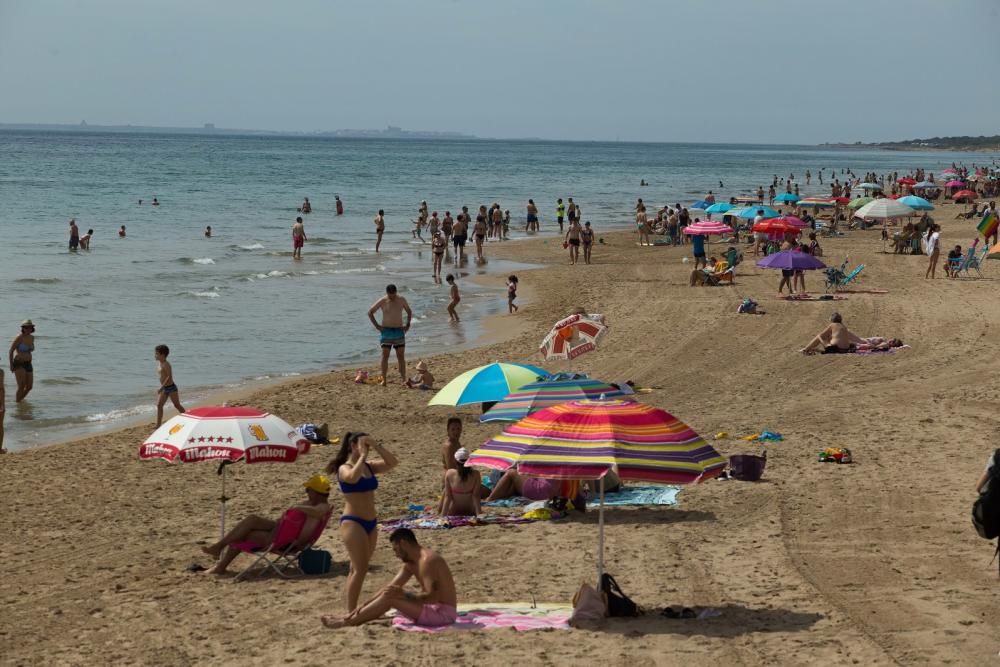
pixel 514 483
pixel 879 344
pixel 835 339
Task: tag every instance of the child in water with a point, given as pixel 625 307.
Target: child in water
pixel 511 294
pixel 455 298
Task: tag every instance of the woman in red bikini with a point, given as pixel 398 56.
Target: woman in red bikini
pixel 356 477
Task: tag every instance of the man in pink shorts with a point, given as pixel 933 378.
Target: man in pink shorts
pixel 434 606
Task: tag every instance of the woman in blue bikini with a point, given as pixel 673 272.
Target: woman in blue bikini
pixel 356 477
pixel 19 356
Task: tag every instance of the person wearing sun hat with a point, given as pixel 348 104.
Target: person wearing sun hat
pixel 423 379
pixel 261 531
pixel 19 357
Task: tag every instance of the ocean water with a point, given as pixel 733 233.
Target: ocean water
pixel 238 308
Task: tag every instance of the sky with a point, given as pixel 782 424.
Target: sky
pixel 752 71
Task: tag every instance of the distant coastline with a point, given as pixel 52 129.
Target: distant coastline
pixel 981 144
pixel 390 132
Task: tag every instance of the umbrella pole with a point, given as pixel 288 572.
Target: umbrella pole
pixel 600 538
pixel 222 507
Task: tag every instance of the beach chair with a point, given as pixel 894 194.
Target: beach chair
pixel 962 265
pixel 281 556
pixel 974 261
pixel 852 276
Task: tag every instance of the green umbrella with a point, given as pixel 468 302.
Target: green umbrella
pixel 860 201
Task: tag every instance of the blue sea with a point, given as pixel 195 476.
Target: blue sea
pixel 237 308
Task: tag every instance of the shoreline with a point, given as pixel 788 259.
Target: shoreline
pixel 493 328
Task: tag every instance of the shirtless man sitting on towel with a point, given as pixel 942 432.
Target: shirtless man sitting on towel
pixel 434 606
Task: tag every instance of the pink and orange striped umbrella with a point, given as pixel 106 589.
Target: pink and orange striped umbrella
pixel 572 336
pixel 584 439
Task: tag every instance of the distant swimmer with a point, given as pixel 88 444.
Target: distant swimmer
pixel 643 183
pixel 74 235
pixel 340 205
pixel 121 232
pixel 208 232
pixel 85 240
pixel 379 223
pixel 298 238
pixel 155 202
pixel 306 206
pixel 140 202
pixel 721 186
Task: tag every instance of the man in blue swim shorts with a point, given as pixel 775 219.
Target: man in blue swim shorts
pixel 392 330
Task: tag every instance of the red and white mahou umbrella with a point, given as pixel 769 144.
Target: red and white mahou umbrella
pixel 574 335
pixel 225 434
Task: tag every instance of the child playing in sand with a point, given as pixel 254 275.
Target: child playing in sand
pixel 511 294
pixel 423 379
pixel 167 386
pixel 455 298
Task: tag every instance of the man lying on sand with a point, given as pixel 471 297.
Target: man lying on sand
pixel 835 339
pixel 261 531
pixel 434 606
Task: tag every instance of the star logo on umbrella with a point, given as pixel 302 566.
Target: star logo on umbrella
pixel 201 439
pixel 211 439
pixel 229 440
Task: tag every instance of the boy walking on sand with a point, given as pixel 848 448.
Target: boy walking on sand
pixel 455 298
pixel 167 386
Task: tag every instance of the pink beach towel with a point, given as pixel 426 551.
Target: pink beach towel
pixel 521 617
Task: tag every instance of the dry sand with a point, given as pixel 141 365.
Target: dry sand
pixel 872 563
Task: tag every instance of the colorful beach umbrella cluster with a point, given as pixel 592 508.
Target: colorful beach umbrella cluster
pixel 540 395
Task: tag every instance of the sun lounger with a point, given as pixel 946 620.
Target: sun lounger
pixel 281 556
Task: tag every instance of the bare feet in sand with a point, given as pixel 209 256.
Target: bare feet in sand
pixel 332 622
pixel 212 551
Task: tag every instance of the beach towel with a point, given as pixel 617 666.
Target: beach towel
pixel 871 290
pixel 629 495
pixel 868 352
pixel 433 522
pixel 488 616
pixel 812 297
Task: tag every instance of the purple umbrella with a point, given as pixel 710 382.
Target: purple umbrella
pixel 791 260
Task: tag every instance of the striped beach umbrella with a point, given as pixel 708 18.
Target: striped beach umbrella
pixel 487 384
pixel 540 395
pixel 584 439
pixel 707 227
pixel 572 336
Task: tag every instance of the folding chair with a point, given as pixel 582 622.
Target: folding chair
pixel 975 261
pixel 281 556
pixel 852 276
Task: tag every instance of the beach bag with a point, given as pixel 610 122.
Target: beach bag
pixel 589 606
pixel 315 561
pixel 986 509
pixel 619 604
pixel 747 467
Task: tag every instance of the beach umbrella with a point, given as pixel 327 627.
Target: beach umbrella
pixel 994 252
pixel 572 336
pixel 701 203
pixel 916 203
pixel 720 207
pixel 791 260
pixel 955 184
pixel 841 200
pixel 775 227
pixel 870 186
pixel 487 384
pixel 584 439
pixel 750 212
pixel 925 184
pixel 858 202
pixel 798 223
pixel 787 197
pixel 708 227
pixel 883 209
pixel 906 180
pixel 819 202
pixel 540 395
pixel 965 194
pixel 225 434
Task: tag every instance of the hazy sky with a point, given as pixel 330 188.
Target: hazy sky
pixel 796 71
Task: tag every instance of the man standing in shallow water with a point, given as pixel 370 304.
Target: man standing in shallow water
pixel 298 238
pixel 392 330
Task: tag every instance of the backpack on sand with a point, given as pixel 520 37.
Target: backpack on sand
pixel 986 508
pixel 619 604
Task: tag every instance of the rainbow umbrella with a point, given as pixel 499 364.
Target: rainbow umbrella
pixel 584 439
pixel 572 336
pixel 540 395
pixel 487 384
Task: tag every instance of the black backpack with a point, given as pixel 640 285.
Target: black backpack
pixel 986 509
pixel 619 604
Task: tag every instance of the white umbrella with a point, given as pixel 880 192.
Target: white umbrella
pixel 226 434
pixel 883 209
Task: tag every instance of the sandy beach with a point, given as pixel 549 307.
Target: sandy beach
pixel 873 563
